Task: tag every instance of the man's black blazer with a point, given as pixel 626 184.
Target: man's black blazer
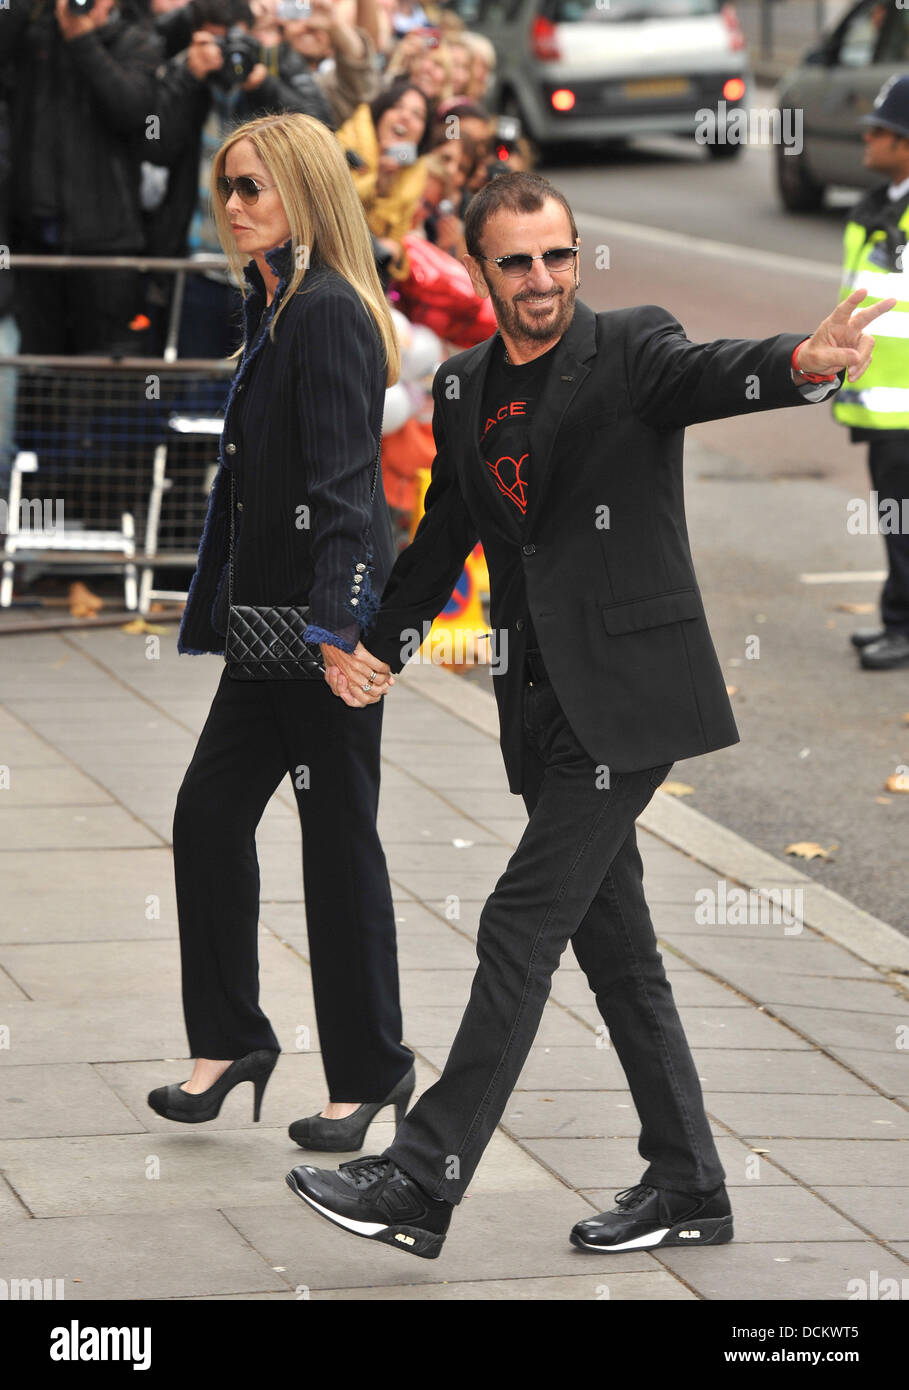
pixel 616 607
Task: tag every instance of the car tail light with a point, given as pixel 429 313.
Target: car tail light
pixel 544 41
pixel 734 89
pixel 563 99
pixel 731 20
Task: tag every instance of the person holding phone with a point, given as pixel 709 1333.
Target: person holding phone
pixel 341 57
pixel 389 135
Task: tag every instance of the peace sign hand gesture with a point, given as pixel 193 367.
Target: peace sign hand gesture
pixel 840 341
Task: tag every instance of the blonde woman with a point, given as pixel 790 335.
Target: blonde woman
pixel 300 437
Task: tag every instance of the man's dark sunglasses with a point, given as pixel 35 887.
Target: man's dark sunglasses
pixel 246 187
pixel 560 258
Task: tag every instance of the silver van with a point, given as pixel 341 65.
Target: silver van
pixel 834 85
pixel 593 70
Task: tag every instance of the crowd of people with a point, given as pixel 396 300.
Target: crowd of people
pixel 110 116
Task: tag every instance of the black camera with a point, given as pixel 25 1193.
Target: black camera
pixel 241 54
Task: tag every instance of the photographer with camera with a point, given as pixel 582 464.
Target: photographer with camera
pixel 81 85
pixel 218 82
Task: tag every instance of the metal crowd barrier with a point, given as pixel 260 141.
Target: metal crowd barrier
pixel 115 448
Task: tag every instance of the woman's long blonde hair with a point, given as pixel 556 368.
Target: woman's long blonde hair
pixel 323 211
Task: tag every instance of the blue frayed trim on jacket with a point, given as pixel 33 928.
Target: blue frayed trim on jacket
pixel 370 601
pixel 206 532
pixel 331 639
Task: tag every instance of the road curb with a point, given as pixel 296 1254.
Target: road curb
pixel 831 916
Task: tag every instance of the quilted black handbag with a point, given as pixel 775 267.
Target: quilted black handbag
pixel 265 643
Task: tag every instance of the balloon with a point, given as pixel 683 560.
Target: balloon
pixel 399 407
pixel 424 354
pixel 402 328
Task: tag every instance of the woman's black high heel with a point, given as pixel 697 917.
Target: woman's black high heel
pixel 175 1104
pixel 347 1135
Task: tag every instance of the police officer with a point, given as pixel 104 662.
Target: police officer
pixel 876 408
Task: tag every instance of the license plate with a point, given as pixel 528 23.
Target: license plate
pixel 657 87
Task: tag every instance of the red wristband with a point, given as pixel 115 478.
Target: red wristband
pixel 809 376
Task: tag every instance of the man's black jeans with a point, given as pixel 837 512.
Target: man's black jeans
pixel 575 876
pixel 257 732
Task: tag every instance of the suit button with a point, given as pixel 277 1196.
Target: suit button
pixel 360 569
pixel 239 506
pixel 520 625
pixel 529 549
pixel 354 602
pixel 240 385
pixel 230 448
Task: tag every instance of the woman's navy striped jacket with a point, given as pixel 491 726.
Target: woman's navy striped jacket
pixel 301 429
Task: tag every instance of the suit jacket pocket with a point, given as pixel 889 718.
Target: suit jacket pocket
pixel 593 420
pixel 639 613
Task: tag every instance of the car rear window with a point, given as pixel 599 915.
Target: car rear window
pixel 623 11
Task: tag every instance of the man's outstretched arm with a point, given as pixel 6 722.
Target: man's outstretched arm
pixel 674 382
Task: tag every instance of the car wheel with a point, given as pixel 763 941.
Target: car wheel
pixel 798 191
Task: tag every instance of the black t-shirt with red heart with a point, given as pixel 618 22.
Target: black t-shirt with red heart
pixel 510 396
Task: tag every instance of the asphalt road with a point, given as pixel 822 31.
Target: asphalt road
pixel 766 505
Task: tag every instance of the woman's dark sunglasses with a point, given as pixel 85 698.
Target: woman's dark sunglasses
pixel 246 187
pixel 558 259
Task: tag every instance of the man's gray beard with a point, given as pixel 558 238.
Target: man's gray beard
pixel 508 321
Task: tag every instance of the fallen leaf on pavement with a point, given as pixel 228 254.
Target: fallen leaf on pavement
pixel 807 849
pixel 140 625
pixel 677 788
pixel 882 800
pixel 82 602
pixel 897 782
pixel 731 689
pixel 855 607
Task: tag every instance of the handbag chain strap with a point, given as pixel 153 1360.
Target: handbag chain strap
pixel 230 553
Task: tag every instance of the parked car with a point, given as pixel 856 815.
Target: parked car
pixel 834 85
pixel 591 70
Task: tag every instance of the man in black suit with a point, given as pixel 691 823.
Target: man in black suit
pixel 559 445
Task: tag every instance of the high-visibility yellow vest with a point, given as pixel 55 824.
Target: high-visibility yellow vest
pixel 879 400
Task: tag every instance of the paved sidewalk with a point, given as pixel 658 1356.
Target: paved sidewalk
pixel 801 1035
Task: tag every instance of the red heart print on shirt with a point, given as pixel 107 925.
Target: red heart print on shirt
pixel 509 480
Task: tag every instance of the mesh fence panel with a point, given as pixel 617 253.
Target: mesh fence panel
pixel 95 433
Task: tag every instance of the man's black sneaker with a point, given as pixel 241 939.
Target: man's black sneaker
pixel 887 654
pixel 374 1198
pixel 864 636
pixel 645 1217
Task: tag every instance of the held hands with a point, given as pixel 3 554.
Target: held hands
pixel 840 340
pixel 356 677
